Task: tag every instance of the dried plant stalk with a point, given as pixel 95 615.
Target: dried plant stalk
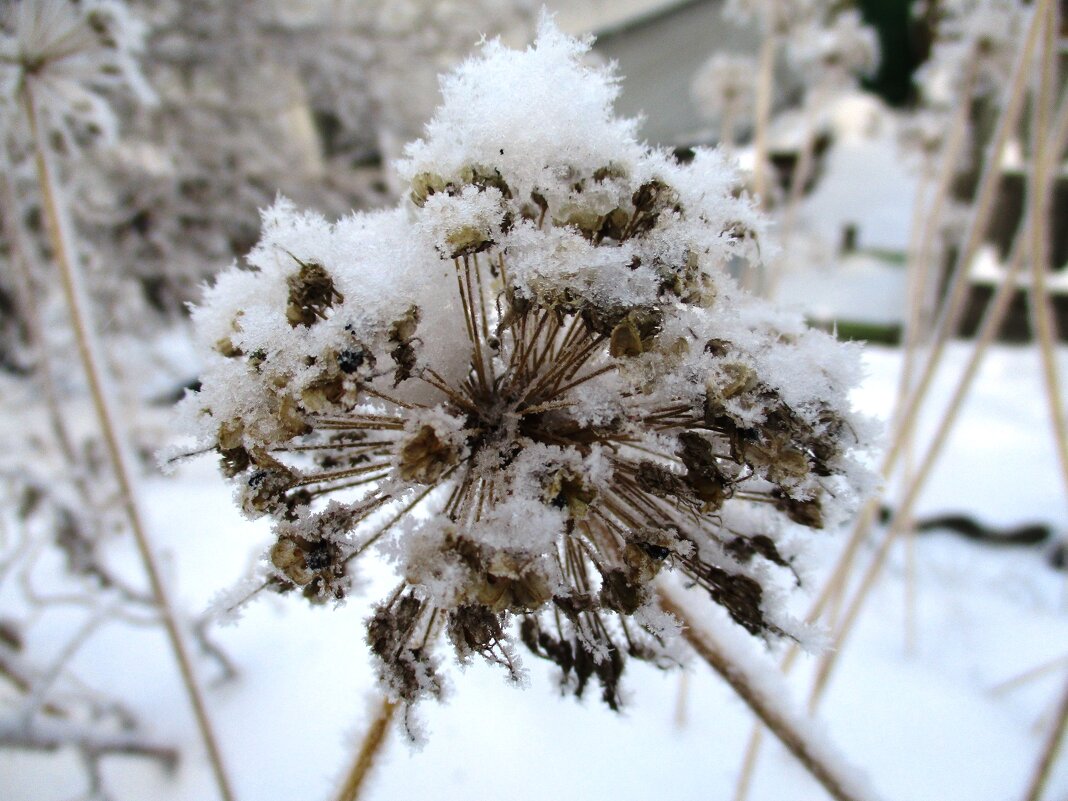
pixel 1043 322
pixel 1053 744
pixel 983 208
pixel 765 79
pixel 60 233
pixel 995 314
pixel 809 754
pixel 370 749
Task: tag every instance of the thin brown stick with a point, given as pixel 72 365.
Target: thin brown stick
pixel 1029 675
pixel 908 413
pixel 982 209
pixel 765 77
pixel 1042 317
pixel 121 463
pixel 991 324
pixel 808 753
pixel 370 749
pixel 749 762
pixel 1052 746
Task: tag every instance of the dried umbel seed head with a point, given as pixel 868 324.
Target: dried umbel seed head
pixel 311 293
pixel 317 567
pixel 540 424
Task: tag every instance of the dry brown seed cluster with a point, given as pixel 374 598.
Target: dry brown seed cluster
pixel 536 390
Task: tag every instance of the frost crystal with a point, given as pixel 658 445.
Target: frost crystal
pixel 532 385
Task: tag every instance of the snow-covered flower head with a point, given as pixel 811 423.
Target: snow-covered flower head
pixel 71 54
pixel 532 384
pixel 974 50
pixel 834 51
pixel 724 87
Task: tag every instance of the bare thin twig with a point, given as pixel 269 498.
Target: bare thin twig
pixel 1041 184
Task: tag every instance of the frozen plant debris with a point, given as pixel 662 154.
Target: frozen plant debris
pixel 532 385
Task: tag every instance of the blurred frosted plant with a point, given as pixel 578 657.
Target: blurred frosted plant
pixel 232 128
pixel 973 53
pixel 776 17
pixel 391 54
pixel 258 98
pixel 723 90
pixel 66 65
pixel 76 54
pixel 831 52
pixel 531 385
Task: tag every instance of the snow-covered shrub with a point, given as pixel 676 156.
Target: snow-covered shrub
pixel 530 384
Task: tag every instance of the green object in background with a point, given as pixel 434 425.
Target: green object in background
pixel 879 334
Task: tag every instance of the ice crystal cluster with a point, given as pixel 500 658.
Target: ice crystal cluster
pixel 531 385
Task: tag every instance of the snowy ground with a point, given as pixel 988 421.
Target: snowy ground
pixel 924 725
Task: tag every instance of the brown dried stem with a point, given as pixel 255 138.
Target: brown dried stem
pixel 370 749
pixel 769 711
pixel 64 253
pixel 1053 744
pixel 1041 185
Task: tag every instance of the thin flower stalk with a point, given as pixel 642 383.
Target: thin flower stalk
pixel 371 746
pixel 982 209
pixel 1029 675
pixel 122 465
pixel 43 368
pixel 835 586
pixel 956 293
pixel 773 712
pixel 1040 301
pixel 765 84
pixel 1040 778
pixel 928 223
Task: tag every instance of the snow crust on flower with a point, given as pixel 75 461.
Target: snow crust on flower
pixel 540 106
pixel 532 384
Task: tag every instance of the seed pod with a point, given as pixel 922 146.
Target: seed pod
pixel 227 348
pixel 567 490
pixel 311 293
pixel 290 558
pixel 484 178
pixel 424 456
pixel 625 340
pixel 424 185
pixel 467 241
pixel 265 489
pixel 620 594
pixel 323 392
